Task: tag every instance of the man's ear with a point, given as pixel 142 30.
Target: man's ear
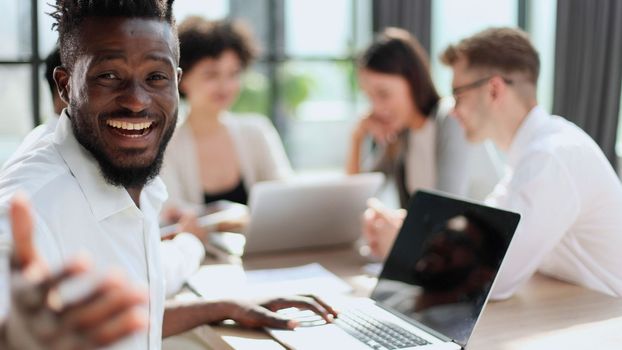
pixel 497 86
pixel 61 77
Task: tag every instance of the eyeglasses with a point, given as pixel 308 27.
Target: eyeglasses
pixel 461 89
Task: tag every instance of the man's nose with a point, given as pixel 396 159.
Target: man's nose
pixel 134 97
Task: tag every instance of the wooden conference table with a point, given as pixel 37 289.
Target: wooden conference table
pixel 544 314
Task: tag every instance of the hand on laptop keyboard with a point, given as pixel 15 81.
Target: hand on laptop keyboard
pixel 308 305
pixel 269 313
pixel 305 318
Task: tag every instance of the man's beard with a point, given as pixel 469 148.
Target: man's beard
pixel 118 175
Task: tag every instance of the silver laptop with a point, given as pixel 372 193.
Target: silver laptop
pixel 308 213
pixel 433 286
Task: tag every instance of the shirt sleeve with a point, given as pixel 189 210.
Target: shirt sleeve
pixel 542 192
pixel 181 257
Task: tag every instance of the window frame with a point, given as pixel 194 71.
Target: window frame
pixel 34 61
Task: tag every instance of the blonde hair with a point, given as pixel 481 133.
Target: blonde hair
pixel 507 50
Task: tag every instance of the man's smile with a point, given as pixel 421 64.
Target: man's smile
pixel 131 133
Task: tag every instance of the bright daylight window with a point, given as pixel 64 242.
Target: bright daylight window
pixel 16 65
pixel 453 20
pixel 305 78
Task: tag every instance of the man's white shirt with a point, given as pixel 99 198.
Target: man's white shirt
pixel 181 256
pixel 570 200
pixel 76 210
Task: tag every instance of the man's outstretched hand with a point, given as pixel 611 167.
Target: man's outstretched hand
pixel 38 320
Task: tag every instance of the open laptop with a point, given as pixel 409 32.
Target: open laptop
pixel 308 212
pixel 432 289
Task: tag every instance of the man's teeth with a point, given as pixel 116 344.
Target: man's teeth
pixel 128 126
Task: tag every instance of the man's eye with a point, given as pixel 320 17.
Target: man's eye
pixel 107 76
pixel 158 76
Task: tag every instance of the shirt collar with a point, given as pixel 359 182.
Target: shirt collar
pixel 525 133
pixel 103 198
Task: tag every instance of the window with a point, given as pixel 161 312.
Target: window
pixel 16 65
pixel 619 140
pixel 541 23
pixel 15 99
pixel 210 9
pixel 47 36
pixel 305 38
pixel 15 31
pixel 304 79
pixel 453 20
pixel 309 80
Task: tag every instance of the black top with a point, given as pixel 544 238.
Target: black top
pixel 237 194
pixel 394 165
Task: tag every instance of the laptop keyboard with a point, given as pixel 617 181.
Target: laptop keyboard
pixel 376 334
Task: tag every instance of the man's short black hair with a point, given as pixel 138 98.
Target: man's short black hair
pixel 69 15
pixel 52 61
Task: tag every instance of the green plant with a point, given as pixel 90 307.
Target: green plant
pixel 295 88
pixel 254 94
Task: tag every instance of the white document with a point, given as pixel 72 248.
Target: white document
pixel 307 279
pixel 214 282
pixel 230 281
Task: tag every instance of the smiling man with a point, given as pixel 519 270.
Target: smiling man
pixel 95 188
pixel 120 84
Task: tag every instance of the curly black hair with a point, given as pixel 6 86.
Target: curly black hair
pixel 200 38
pixel 69 15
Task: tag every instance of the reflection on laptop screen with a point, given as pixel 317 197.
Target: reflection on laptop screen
pixel 444 261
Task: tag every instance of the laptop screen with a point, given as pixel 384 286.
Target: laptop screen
pixel 444 261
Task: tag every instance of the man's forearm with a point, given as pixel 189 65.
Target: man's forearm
pixel 180 317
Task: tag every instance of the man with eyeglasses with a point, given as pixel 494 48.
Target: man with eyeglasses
pixel 557 178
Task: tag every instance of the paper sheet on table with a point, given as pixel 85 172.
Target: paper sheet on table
pixel 305 279
pixel 230 281
pixel 218 281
